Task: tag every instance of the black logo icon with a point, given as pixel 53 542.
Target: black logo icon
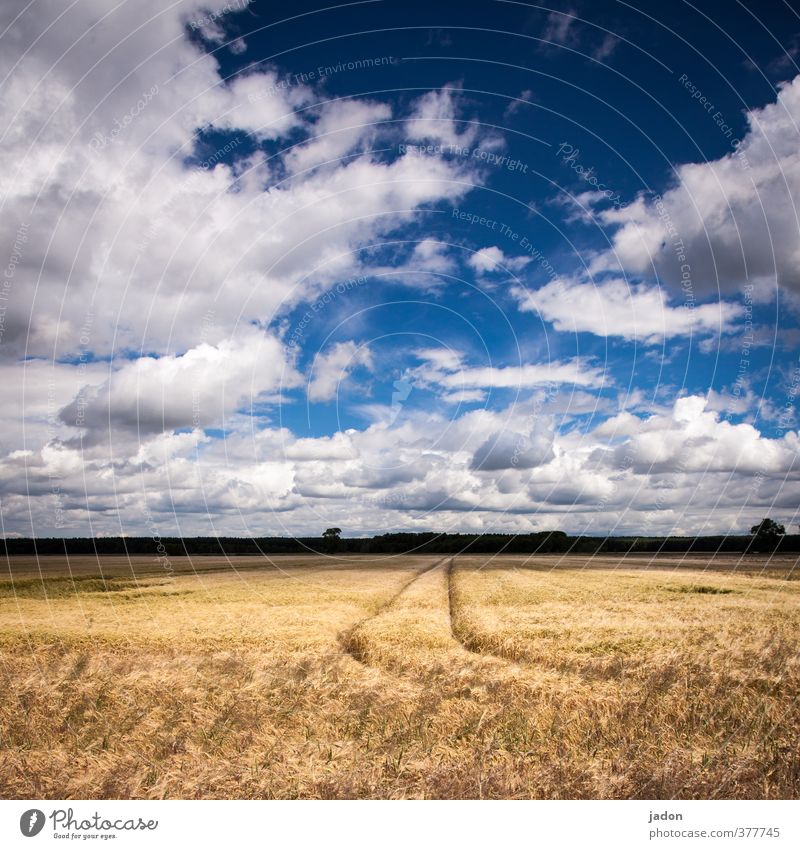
pixel 31 822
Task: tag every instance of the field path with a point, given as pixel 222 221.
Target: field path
pixel 461 631
pixel 418 633
pixel 455 628
pixel 348 639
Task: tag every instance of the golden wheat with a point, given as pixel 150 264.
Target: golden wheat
pixel 401 677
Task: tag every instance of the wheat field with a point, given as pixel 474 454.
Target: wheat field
pixel 402 677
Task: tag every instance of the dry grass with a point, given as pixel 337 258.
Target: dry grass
pixel 409 677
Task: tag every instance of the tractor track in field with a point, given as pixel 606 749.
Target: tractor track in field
pixel 463 641
pixel 349 646
pixel 346 637
pixel 450 567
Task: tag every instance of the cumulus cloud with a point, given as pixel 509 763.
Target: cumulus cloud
pixel 735 219
pixel 341 128
pixel 616 308
pixel 337 447
pixel 196 389
pixel 492 259
pixel 487 259
pixel 333 367
pixel 445 359
pixel 509 450
pixel 152 266
pixel 138 243
pixel 644 473
pixel 130 212
pixel 694 439
pixel 435 119
pixel 34 392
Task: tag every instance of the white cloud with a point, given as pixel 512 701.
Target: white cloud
pixel 441 358
pixel 464 396
pixel 526 376
pixel 139 239
pixel 740 400
pixel 560 27
pixel 484 469
pixel 431 255
pixel 445 370
pixel 487 259
pixel 337 447
pixel 616 308
pixel 736 217
pixel 196 389
pixel 509 450
pixel 694 439
pixel 332 368
pixel 341 128
pixel 434 119
pixel 33 394
pixel 492 259
pixel 93 164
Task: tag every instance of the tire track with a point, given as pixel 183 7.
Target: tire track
pixel 464 642
pixel 450 567
pixel 461 639
pixel 464 639
pixel 346 637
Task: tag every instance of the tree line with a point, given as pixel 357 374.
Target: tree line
pixel 764 538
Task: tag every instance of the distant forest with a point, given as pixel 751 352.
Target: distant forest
pixel 552 542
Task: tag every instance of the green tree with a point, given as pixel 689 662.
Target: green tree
pixel 766 529
pixel 331 539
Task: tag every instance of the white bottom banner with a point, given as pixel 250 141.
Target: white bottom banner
pixel 389 824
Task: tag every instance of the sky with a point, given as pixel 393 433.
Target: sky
pixel 429 266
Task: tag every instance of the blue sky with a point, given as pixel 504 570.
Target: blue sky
pixel 426 266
